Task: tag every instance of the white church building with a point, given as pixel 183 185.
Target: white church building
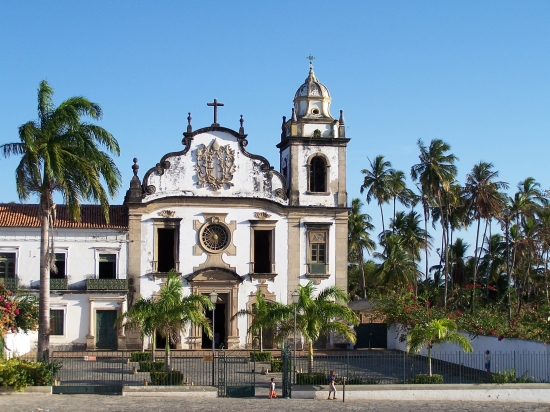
pixel 223 218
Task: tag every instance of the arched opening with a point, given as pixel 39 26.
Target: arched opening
pixel 317 175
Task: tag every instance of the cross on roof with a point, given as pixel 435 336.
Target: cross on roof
pixel 310 58
pixel 215 104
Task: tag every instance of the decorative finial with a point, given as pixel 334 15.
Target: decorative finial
pixel 135 167
pixel 241 129
pixel 283 129
pixel 215 104
pixel 189 127
pixel 341 120
pixel 310 58
pixel 294 119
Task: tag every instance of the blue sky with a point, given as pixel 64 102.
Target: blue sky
pixel 473 73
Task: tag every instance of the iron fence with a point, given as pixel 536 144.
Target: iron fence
pixel 385 367
pixel 115 369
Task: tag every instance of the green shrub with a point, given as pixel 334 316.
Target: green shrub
pixel 166 378
pixel 19 373
pixel 260 356
pixel 276 365
pixel 148 366
pixel 509 376
pixel 423 378
pixel 312 379
pixel 140 356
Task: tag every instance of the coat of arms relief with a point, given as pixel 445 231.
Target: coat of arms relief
pixel 215 165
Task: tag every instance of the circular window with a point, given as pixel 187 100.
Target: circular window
pixel 315 111
pixel 215 237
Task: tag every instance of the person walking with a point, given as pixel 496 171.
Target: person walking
pixel 272 393
pixel 488 363
pixel 332 385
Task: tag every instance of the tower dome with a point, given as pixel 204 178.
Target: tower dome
pixel 312 99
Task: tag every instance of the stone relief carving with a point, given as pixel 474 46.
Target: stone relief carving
pixel 262 215
pixel 215 166
pixel 167 213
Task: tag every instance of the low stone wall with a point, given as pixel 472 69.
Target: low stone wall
pixel 533 393
pixel 184 391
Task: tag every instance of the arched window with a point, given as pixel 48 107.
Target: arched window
pixel 318 175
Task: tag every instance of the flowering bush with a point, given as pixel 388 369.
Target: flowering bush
pixel 407 310
pixel 17 312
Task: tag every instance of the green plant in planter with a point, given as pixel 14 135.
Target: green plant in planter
pixel 422 378
pixel 260 356
pixel 167 378
pixel 139 356
pixel 148 366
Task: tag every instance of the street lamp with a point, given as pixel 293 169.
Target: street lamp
pixel 295 299
pixel 213 299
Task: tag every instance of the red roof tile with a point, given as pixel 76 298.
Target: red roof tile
pixel 24 215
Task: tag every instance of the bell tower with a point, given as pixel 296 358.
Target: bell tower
pixel 313 148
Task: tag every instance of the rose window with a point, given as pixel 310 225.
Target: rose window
pixel 215 237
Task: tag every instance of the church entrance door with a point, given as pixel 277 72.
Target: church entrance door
pixel 105 330
pixel 220 325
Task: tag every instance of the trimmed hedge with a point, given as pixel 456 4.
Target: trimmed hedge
pixel 148 366
pixel 167 378
pixel 140 356
pixel 260 356
pixel 312 379
pixel 276 365
pixel 423 378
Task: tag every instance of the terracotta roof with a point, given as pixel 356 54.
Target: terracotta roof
pixel 25 215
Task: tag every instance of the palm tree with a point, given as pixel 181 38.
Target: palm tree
pixel 141 317
pixel 485 200
pixel 264 316
pixel 458 254
pixel 377 183
pixel 319 314
pixel 61 153
pixel 435 173
pixel 436 332
pixel 398 267
pixel 173 312
pixel 407 225
pixel 400 191
pixel 359 239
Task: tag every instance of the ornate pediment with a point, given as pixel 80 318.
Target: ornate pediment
pixel 215 165
pixel 214 275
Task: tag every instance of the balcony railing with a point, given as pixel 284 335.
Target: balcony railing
pixel 317 268
pixel 106 284
pixel 10 283
pixel 59 284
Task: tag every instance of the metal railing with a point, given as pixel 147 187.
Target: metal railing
pixel 259 268
pixel 116 369
pixel 10 283
pixel 155 264
pixel 106 284
pixel 384 367
pixel 59 284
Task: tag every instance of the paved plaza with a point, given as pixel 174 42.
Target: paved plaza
pixel 103 403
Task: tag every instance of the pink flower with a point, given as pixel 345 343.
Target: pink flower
pixel 480 330
pixel 492 332
pixel 16 311
pixel 8 306
pixel 501 337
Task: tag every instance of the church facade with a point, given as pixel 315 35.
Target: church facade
pixel 226 220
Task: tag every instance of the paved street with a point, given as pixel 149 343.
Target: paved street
pixel 66 403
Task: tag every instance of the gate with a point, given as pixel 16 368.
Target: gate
pixel 236 374
pixel 287 371
pixel 90 372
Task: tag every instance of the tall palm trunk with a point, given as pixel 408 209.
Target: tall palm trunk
pixel 430 359
pixel 426 240
pixel 44 303
pixel 472 306
pixel 362 270
pixel 310 357
pixel 168 366
pixel 383 228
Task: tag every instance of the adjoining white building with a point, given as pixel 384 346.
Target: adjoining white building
pixel 224 218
